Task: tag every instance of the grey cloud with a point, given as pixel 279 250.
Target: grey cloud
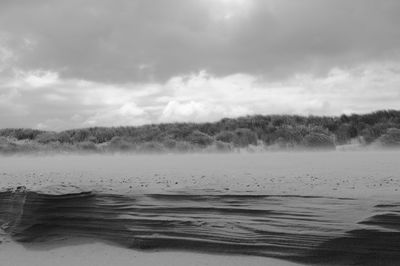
pixel 313 36
pixel 147 40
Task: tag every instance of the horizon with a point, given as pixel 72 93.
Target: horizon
pixel 133 63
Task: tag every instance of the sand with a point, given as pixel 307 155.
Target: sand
pixel 81 252
pixel 338 174
pixel 355 174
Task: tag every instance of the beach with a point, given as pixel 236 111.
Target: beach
pixel 279 208
pixel 83 252
pixel 363 173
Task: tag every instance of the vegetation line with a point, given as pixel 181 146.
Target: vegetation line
pixel 259 132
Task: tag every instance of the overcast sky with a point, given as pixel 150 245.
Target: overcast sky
pixel 81 63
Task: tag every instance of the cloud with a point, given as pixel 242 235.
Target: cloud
pixel 66 64
pixel 38 79
pixel 195 97
pixel 145 40
pixel 176 111
pixel 6 55
pixel 127 114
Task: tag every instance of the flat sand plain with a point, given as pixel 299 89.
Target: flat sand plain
pixel 355 174
pixel 339 174
pixel 81 252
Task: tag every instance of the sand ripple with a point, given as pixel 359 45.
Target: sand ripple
pixel 324 230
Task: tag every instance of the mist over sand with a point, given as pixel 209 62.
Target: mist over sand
pixel 355 173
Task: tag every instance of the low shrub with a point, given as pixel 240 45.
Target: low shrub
pixel 199 138
pixel 183 146
pixel 151 147
pixel 244 137
pixel 391 138
pixel 318 141
pixel 46 137
pixel 225 136
pixel 120 144
pixel 86 146
pixel 223 146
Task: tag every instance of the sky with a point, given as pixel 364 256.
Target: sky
pixel 82 63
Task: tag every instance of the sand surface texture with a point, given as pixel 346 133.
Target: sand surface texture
pixel 336 208
pixel 338 174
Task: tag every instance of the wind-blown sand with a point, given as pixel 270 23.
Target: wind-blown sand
pixel 367 178
pixel 312 173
